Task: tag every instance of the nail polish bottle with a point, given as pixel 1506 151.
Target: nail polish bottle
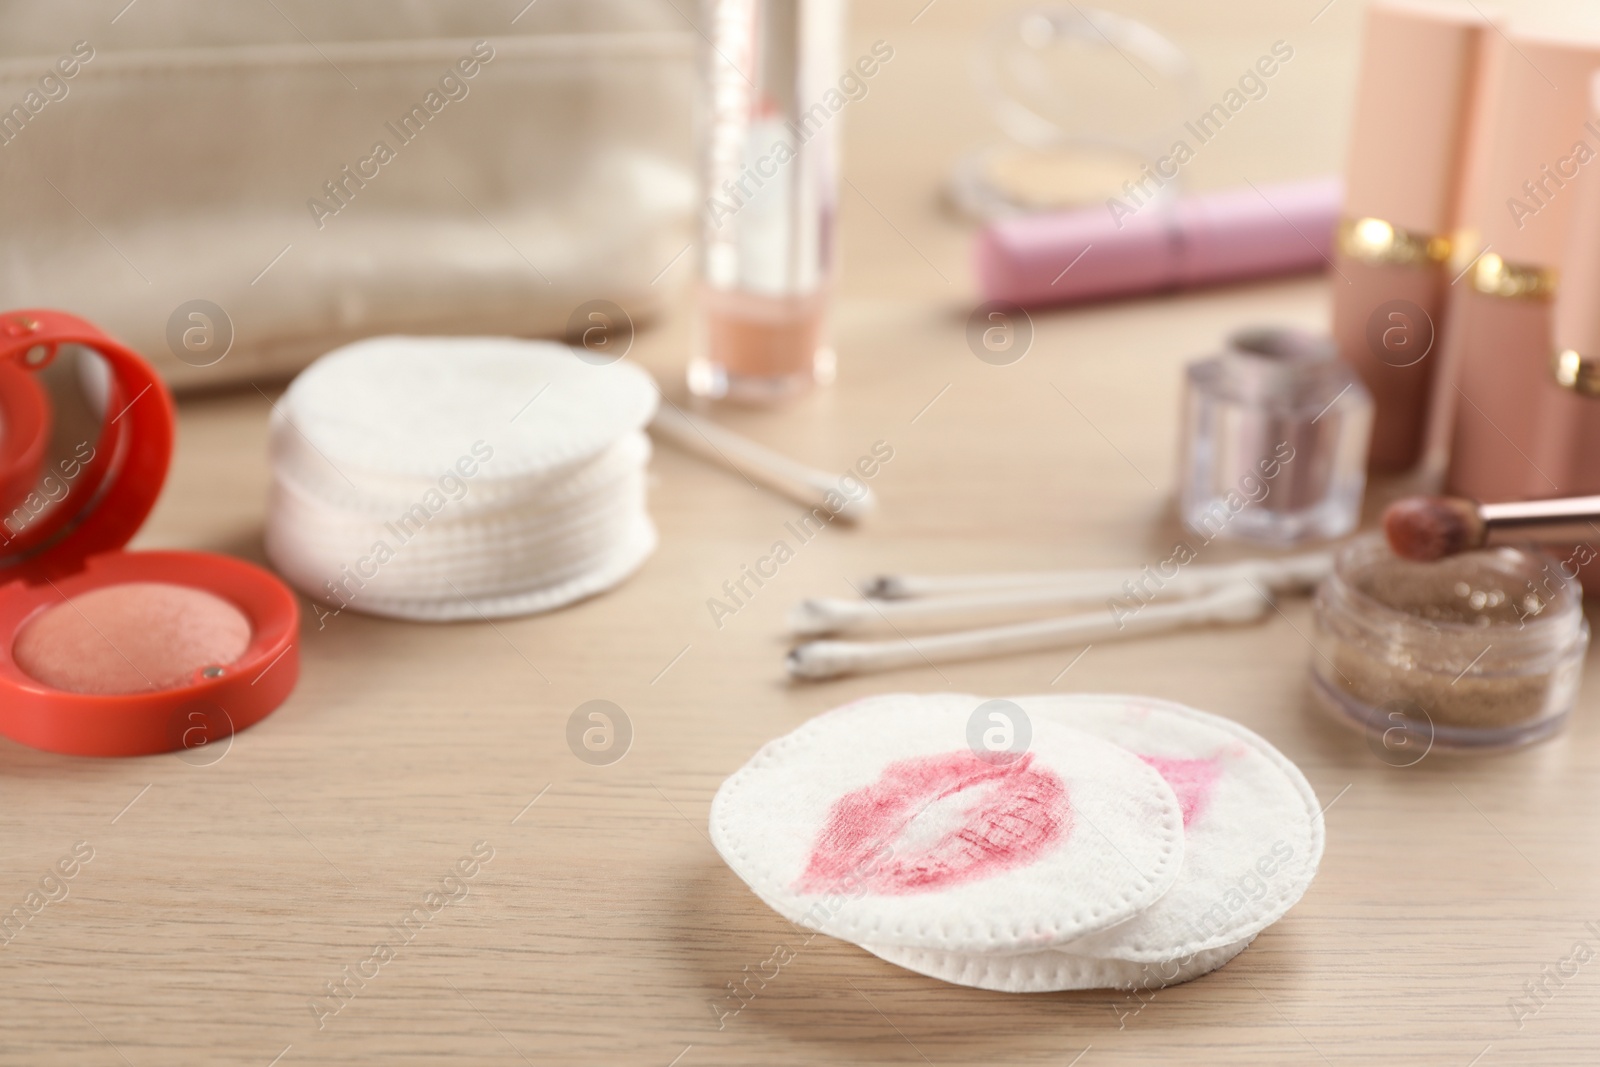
pixel 1569 420
pixel 769 180
pixel 1534 135
pixel 1419 71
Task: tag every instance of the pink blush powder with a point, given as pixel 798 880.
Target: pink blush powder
pixel 131 638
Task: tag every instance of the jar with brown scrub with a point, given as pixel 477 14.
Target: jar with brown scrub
pixel 1479 650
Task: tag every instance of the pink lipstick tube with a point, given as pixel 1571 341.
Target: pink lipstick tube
pixel 1527 153
pixel 1206 239
pixel 1419 69
pixel 769 180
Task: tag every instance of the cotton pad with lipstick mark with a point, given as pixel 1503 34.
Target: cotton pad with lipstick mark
pixel 1252 841
pixel 1054 970
pixel 880 824
pixel 1253 832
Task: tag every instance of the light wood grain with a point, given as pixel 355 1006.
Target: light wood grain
pixel 221 899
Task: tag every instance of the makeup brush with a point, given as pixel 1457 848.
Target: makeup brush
pixel 1425 528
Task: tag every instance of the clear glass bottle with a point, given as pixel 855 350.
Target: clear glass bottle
pixel 769 178
pixel 1274 440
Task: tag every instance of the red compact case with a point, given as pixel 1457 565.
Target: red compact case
pixel 84 447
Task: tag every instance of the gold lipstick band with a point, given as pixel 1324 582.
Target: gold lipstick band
pixel 1493 276
pixel 1383 244
pixel 1575 372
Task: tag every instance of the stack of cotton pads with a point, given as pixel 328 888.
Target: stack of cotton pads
pixel 1025 845
pixel 455 478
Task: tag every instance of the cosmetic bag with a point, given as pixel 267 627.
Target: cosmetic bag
pixel 235 188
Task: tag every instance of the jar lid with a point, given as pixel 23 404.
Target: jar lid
pixel 1281 363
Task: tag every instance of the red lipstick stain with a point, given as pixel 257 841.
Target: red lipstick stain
pixel 1191 779
pixel 1017 814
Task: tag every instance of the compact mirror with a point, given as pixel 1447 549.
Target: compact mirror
pixel 60 442
pixel 105 651
pixel 1085 98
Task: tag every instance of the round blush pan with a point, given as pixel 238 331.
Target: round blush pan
pixel 131 638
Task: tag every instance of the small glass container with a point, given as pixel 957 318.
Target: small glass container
pixel 1476 651
pixel 1274 440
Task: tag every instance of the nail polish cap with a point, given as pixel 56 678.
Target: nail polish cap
pixel 1577 311
pixel 1524 154
pixel 1419 65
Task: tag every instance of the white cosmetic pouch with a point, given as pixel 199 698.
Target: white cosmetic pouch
pixel 235 189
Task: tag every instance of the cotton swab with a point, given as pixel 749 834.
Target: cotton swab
pixel 826 615
pixel 743 456
pixel 1236 602
pixel 1307 569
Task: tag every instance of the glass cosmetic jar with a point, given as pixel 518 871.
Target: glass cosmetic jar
pixel 1274 440
pixel 1480 650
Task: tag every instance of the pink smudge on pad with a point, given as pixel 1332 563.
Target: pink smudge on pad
pixel 1017 813
pixel 1190 779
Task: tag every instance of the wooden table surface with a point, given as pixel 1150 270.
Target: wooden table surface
pixel 226 891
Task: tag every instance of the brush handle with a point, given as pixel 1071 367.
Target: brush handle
pixel 1570 519
pixel 1236 602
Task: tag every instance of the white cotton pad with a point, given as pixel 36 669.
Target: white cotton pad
pixel 411 407
pixel 1253 831
pixel 879 824
pixel 445 478
pixel 597 576
pixel 1052 970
